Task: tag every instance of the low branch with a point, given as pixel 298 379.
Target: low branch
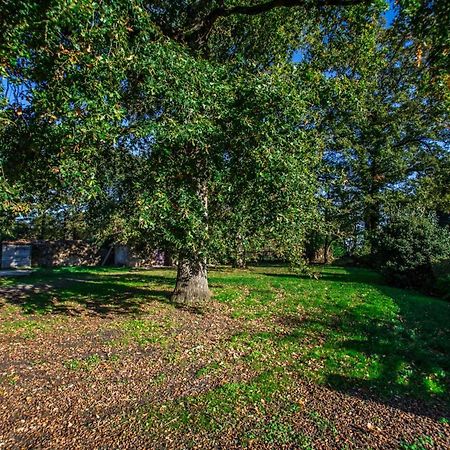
pixel 200 30
pixel 264 7
pixel 418 140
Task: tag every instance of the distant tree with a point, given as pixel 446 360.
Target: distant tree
pixel 431 186
pixel 386 125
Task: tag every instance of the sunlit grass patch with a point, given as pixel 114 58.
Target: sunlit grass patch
pixel 90 362
pixel 220 408
pixel 145 331
pixel 26 328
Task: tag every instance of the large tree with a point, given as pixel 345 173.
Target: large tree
pixel 188 93
pixel 149 111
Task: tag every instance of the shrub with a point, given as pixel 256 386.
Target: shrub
pixel 442 273
pixel 408 247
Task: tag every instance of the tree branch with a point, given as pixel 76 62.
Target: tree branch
pixel 202 27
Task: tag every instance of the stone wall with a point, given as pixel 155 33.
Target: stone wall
pixel 65 253
pixel 77 253
pixel 125 256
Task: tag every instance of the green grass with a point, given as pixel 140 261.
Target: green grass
pixel 347 330
pixel 421 443
pixel 346 327
pixel 88 363
pixel 26 327
pixel 100 290
pixel 220 408
pixel 144 332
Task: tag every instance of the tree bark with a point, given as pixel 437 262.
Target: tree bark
pixel 328 257
pixel 192 281
pixel 240 260
pixel 326 251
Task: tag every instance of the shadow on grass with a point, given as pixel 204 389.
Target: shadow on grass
pixel 400 359
pixel 413 352
pixel 95 292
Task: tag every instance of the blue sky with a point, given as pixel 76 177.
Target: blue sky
pixel 390 14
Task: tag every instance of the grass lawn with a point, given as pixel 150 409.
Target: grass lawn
pixel 100 357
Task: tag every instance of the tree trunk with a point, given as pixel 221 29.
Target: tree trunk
pixel 192 281
pixel 327 254
pixel 192 275
pixel 240 260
